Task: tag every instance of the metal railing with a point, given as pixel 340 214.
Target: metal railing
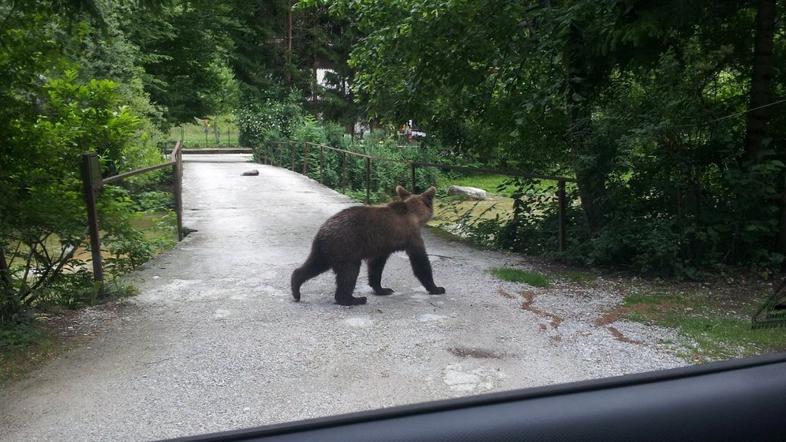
pixel 92 184
pixel 267 156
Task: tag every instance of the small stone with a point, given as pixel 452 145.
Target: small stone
pixel 252 172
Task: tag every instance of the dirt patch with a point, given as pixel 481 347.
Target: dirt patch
pixel 477 353
pixel 529 298
pixel 57 333
pixel 505 294
pixel 87 322
pixel 618 335
pixel 622 311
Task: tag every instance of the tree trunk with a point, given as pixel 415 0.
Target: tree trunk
pixel 758 117
pixel 760 80
pixel 5 275
pixel 590 172
pixel 288 71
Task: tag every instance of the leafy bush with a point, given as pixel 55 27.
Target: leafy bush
pixel 269 121
pixel 42 213
pixel 153 200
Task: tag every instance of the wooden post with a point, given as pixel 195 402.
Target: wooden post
pixel 91 180
pixel 321 164
pixel 344 174
pixel 305 159
pixel 292 149
pixel 414 178
pixel 5 274
pixel 178 190
pixel 562 237
pixel 368 180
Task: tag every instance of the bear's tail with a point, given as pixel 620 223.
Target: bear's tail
pixel 314 265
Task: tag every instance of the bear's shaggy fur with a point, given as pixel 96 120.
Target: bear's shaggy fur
pixel 370 233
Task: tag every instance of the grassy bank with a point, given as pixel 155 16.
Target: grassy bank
pixel 715 327
pixel 221 131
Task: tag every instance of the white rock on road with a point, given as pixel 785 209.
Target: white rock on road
pixel 213 341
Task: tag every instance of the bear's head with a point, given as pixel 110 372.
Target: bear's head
pixel 420 205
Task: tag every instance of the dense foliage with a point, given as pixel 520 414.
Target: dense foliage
pixel 56 106
pixel 279 131
pixel 656 109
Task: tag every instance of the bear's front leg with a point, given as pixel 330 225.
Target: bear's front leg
pixel 422 268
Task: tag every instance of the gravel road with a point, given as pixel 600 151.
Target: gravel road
pixel 214 342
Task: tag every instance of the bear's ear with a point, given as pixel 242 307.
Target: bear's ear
pixel 429 193
pixel 402 192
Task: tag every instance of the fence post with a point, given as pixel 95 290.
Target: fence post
pixel 305 159
pixel 414 184
pixel 368 179
pixel 91 180
pixel 321 164
pixel 344 174
pixel 292 156
pixel 562 238
pixel 178 169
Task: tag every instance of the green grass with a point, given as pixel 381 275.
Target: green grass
pixel 719 334
pixel 23 347
pixel 193 135
pixel 159 227
pixel 517 275
pixel 578 276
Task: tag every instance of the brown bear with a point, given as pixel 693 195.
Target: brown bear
pixel 370 233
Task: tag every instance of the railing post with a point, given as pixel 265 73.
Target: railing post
pixel 178 190
pixel 321 164
pixel 414 182
pixel 368 180
pixel 344 174
pixel 292 149
pixel 91 180
pixel 268 153
pixel 562 237
pixel 305 159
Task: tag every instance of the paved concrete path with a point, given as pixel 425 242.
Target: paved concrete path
pixel 214 342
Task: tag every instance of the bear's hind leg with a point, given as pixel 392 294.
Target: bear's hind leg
pixel 375 267
pixel 346 278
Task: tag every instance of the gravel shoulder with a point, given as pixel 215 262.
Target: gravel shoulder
pixel 214 342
